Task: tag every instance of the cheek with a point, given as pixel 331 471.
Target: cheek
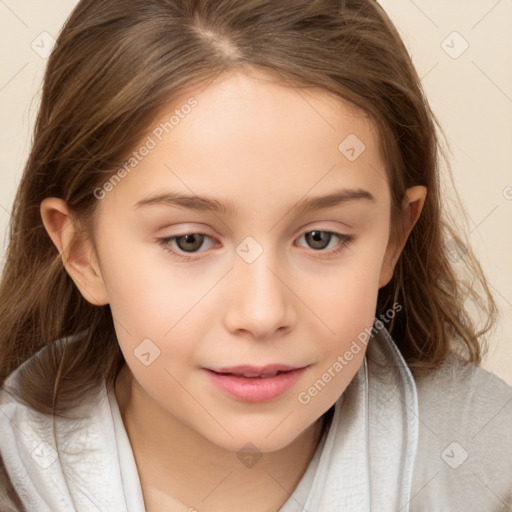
pixel 158 309
pixel 146 293
pixel 345 301
pixel 346 295
pixel 350 314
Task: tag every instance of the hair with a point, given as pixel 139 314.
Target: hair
pixel 116 64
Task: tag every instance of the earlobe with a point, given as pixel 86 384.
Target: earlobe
pixel 413 205
pixel 77 253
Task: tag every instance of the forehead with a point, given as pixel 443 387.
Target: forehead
pixel 250 138
pixel 252 102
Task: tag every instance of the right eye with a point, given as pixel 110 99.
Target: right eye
pixel 187 243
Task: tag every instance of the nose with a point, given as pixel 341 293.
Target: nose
pixel 261 301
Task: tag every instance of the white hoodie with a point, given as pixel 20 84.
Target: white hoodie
pixel 441 443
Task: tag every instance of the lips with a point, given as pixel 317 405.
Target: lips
pixel 261 372
pixel 255 383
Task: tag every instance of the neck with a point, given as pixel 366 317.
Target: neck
pixel 178 465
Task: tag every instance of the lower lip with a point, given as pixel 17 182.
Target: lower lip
pixel 247 389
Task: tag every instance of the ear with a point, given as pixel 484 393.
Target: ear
pixel 411 210
pixel 78 254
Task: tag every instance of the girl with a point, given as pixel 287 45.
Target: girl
pixel 311 350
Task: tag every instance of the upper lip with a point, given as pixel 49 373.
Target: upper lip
pixel 254 371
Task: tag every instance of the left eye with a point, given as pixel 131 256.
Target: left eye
pixel 319 240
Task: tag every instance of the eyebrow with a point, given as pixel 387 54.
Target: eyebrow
pixel 202 203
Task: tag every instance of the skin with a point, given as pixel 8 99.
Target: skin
pixel 264 147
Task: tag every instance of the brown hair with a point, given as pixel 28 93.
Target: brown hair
pixel 116 64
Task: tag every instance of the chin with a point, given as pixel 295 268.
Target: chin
pixel 260 436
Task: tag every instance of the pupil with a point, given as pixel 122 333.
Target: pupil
pixel 317 237
pixel 190 239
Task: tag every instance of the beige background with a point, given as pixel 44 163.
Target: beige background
pixel 467 76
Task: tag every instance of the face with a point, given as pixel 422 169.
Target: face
pixel 264 277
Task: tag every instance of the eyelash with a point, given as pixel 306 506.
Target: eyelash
pixel 344 243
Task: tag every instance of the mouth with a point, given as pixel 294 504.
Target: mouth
pixel 255 384
pixel 261 372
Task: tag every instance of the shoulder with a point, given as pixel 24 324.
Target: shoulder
pixel 459 384
pixel 465 439
pixel 465 394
